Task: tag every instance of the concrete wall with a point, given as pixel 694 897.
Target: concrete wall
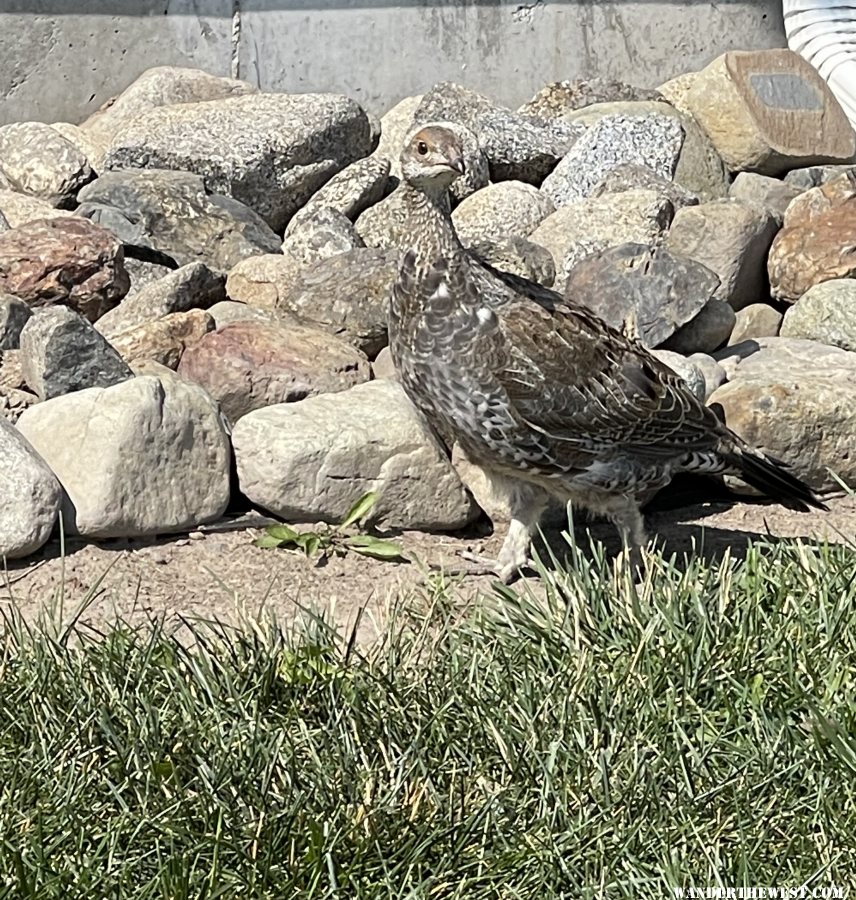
pixel 57 65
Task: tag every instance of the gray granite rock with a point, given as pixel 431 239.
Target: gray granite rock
pixel 687 369
pixel 61 352
pixel 121 452
pixel 320 232
pixel 653 141
pixel 31 496
pixel 825 313
pixel 517 147
pixel 193 286
pixel 263 281
pixel 506 208
pixel 248 365
pixel 395 125
pixel 37 160
pixel 649 293
pixel 310 461
pixel 13 317
pixel 732 239
pixel 271 152
pixel 815 176
pixel 353 190
pixel 172 213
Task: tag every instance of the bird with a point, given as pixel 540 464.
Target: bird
pixel 536 388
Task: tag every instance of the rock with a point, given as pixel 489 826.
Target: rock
pixel 67 260
pixel 708 331
pixel 319 234
pixel 676 89
pixel 395 125
pixel 249 365
pixel 346 295
pixel 652 292
pixel 796 400
pixel 517 147
pixel 61 352
pixel 229 311
pixel 31 496
pixel 162 456
pixel 763 191
pixel 383 366
pixel 712 372
pixel 769 111
pixel 561 97
pixel 271 152
pixel 816 176
pixel 591 226
pixel 310 461
pixel 754 321
pixel 143 273
pixel 160 86
pixel 170 212
pixel 13 398
pixel 631 176
pixel 4 223
pixel 507 208
pixel 90 147
pixel 653 141
pixel 163 340
pixel 13 316
pixel 385 225
pixel 194 286
pixel 816 241
pixel 699 168
pixel 263 281
pixel 519 257
pixel 732 239
pixel 688 370
pixel 353 190
pixel 19 209
pixel 825 313
pixel 38 161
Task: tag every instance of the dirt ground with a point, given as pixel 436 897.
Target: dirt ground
pixel 217 573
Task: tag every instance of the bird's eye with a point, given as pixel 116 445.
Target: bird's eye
pixel 422 148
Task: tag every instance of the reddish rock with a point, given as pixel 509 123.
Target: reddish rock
pixel 65 260
pixel 163 340
pixel 816 243
pixel 248 365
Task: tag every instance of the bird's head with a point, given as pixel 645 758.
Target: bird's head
pixel 433 157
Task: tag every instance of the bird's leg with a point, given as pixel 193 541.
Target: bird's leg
pixel 627 518
pixel 525 504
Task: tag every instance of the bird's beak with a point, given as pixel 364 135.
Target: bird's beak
pixel 456 162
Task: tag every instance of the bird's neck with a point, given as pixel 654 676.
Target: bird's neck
pixel 432 234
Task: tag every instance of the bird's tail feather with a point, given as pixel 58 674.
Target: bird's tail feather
pixel 771 476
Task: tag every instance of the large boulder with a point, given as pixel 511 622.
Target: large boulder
pixel 269 151
pixel 309 461
pixel 163 340
pixel 147 456
pixel 263 281
pixel 31 496
pixel 172 213
pixel 558 98
pixel 732 239
pixel 506 208
pixel 320 232
pixel 769 111
pixel 18 209
pixel 796 400
pixel 66 260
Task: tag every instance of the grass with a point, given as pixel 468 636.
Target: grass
pixel 580 738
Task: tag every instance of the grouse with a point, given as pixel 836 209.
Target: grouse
pixel 537 389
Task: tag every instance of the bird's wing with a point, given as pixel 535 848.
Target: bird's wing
pixel 579 382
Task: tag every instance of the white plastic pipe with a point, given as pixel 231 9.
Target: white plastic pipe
pixel 824 33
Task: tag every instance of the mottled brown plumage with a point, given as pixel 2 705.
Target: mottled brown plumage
pixel 538 390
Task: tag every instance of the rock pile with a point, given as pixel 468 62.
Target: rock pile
pixel 193 284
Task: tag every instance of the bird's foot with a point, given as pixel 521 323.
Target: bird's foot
pixel 506 571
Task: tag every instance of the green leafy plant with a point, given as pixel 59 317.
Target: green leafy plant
pixel 327 540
